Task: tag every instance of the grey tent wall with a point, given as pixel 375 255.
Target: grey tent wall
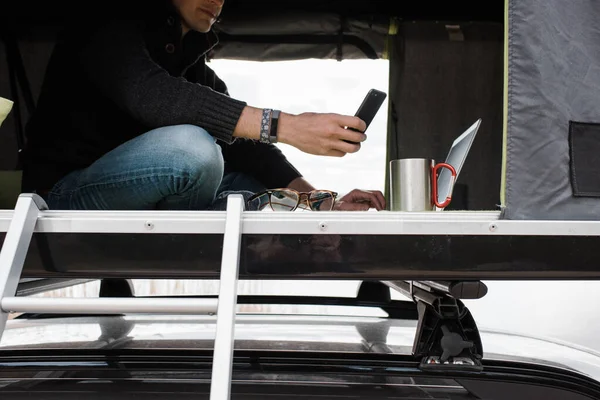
pixel 443 77
pixel 553 110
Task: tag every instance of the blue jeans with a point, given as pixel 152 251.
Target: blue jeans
pixel 171 168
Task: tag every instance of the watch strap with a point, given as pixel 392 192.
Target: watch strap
pixel 265 125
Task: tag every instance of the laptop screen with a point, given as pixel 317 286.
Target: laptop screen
pixel 456 157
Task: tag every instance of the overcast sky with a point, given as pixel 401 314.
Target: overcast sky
pixel 321 86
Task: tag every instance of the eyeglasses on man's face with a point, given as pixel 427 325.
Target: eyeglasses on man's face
pixel 290 200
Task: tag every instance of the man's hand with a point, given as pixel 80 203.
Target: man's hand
pixel 322 134
pixel 361 200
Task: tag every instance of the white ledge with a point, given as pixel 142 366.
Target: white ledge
pixel 337 222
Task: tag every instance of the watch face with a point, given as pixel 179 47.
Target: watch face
pixel 274 122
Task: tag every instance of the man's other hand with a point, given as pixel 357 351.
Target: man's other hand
pixel 361 200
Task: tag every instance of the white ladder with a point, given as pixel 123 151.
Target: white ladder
pixel 14 252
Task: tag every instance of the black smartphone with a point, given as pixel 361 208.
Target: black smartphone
pixel 369 107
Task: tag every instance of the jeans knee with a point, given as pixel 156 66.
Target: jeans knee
pixel 195 157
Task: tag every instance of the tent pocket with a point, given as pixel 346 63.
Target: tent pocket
pixel 584 151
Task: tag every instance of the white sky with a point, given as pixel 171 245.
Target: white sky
pixel 319 86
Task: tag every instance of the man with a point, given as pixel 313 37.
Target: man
pixel 131 117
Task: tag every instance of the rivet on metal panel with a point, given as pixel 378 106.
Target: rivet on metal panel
pixel 493 227
pixel 455 33
pixel 323 226
pixel 149 225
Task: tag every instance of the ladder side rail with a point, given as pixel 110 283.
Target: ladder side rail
pixel 15 247
pixel 220 386
pixel 109 305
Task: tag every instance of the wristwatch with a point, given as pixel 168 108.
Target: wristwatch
pixel 274 123
pixel 268 126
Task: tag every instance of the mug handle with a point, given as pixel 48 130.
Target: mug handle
pixel 434 177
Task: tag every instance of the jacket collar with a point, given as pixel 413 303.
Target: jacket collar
pixel 199 43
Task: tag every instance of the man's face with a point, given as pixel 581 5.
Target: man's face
pixel 198 15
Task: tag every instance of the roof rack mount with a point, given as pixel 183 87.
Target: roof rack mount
pixel 447 335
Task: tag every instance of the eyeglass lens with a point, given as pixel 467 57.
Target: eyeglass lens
pixel 283 200
pixel 321 201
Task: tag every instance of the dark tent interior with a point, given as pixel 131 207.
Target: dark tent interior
pixel 446 68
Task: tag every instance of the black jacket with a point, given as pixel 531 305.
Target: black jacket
pixel 110 83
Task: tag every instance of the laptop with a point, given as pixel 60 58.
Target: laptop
pixel 456 157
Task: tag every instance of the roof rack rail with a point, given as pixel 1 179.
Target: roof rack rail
pixel 418 246
pixel 426 256
pixel 30 287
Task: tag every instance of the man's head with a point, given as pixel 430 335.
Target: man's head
pixel 198 15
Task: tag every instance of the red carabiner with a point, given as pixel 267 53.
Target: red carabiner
pixel 434 181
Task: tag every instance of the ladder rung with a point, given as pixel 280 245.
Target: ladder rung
pixel 85 305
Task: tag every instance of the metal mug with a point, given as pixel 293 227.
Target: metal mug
pixel 414 184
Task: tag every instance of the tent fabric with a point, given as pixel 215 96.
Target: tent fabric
pixel 295 36
pixel 443 77
pixel 553 92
